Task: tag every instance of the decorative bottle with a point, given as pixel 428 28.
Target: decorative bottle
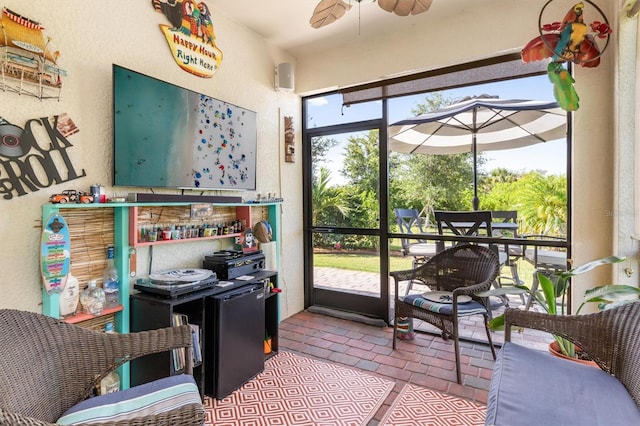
pixel 110 281
pixel 92 299
pixel 69 297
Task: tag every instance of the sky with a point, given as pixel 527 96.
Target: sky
pixel 550 156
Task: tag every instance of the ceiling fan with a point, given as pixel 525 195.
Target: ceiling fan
pixel 328 11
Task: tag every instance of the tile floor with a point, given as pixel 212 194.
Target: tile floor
pixel 427 360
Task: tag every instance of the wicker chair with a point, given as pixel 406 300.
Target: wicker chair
pixel 47 366
pixel 611 338
pixel 463 270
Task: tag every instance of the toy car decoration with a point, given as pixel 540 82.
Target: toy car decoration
pixel 71 196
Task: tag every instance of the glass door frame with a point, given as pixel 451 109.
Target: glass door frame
pixel 375 307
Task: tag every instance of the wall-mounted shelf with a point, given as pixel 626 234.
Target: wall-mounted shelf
pixel 184 240
pixel 81 316
pixel 155 218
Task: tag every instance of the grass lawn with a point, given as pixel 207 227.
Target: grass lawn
pixel 359 262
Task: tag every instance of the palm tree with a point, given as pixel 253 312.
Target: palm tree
pixel 543 203
pixel 326 200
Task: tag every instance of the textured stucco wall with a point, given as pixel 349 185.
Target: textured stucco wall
pixel 91 35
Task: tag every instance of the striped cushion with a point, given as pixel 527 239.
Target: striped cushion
pixel 469 308
pixel 144 400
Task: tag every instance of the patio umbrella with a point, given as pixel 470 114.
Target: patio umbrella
pixel 478 124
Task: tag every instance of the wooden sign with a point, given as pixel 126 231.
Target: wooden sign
pixel 55 253
pixel 190 36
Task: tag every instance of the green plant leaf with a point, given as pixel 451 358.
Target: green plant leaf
pixel 591 265
pixel 566 347
pixel 548 290
pixel 611 293
pixel 497 323
pixel 560 286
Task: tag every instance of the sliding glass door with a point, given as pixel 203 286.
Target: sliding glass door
pixel 345 257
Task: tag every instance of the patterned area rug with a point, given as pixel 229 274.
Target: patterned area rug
pixel 416 405
pixel 295 390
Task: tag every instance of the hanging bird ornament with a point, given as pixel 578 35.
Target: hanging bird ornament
pixel 568 41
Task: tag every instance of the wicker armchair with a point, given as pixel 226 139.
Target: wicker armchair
pixel 463 270
pixel 47 366
pixel 611 338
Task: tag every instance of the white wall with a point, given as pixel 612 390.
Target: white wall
pixel 93 34
pixel 628 135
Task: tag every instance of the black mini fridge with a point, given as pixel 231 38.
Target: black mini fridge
pixel 236 351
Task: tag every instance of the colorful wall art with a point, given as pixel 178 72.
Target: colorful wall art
pixel 29 65
pixel 190 36
pixel 35 157
pixel 289 140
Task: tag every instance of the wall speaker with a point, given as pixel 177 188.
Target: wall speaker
pixel 284 77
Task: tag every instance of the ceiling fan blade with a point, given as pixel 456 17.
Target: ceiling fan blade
pixel 328 11
pixel 405 7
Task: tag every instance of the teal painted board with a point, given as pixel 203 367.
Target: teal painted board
pixel 55 253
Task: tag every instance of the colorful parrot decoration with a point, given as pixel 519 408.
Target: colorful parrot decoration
pixel 206 24
pixel 188 17
pixel 567 41
pixel 191 26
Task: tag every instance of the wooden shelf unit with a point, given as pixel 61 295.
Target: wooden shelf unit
pixel 159 216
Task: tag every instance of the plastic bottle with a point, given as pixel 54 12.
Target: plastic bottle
pixel 92 299
pixel 110 281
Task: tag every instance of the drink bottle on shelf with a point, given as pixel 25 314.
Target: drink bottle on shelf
pixel 111 281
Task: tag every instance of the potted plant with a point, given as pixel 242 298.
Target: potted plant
pixel 557 286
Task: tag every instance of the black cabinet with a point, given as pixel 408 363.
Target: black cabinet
pixel 151 312
pixel 236 353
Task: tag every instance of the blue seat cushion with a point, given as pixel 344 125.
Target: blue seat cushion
pixel 151 398
pixel 470 308
pixel 532 387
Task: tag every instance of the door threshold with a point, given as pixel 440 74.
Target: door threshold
pixel 346 315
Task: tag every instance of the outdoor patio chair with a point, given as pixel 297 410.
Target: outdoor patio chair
pixel 471 223
pixel 463 223
pixel 454 276
pixel 48 366
pixel 514 252
pixel 420 249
